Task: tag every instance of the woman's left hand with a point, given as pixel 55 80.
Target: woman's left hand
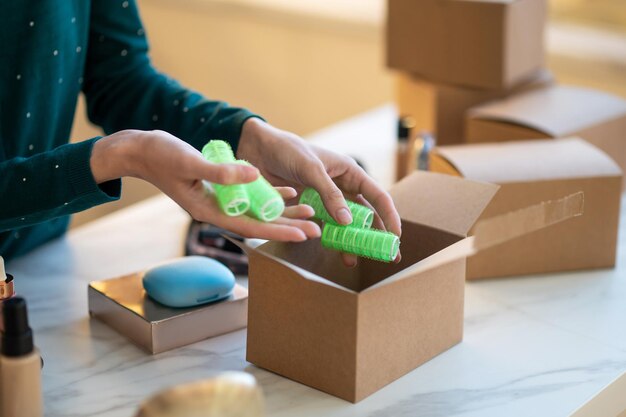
pixel 287 160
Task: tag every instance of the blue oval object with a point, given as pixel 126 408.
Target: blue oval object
pixel 189 281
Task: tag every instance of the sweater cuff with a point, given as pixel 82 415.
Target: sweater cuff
pixel 78 170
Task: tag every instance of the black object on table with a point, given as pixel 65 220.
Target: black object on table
pixel 207 240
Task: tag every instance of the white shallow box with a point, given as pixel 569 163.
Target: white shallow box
pixel 123 305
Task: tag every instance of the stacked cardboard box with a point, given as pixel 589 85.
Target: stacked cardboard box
pixel 441 108
pixel 471 72
pixel 454 54
pixel 535 170
pixel 554 112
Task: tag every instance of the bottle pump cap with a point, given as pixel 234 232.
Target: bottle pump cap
pixel 17 337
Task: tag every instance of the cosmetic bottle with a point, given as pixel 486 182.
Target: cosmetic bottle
pixel 418 153
pixel 7 289
pixel 405 127
pixel 20 364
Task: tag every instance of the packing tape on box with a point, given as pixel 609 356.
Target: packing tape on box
pixel 499 229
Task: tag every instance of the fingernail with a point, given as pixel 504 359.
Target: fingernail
pixel 309 211
pixel 344 216
pixel 318 231
pixel 398 258
pixel 292 192
pixel 253 172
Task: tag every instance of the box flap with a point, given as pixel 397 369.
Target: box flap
pixel 441 201
pixel 533 160
pixel 556 110
pixel 300 271
pixel 496 230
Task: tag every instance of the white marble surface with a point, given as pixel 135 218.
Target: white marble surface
pixel 534 346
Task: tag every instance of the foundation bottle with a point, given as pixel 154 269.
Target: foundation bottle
pixel 20 364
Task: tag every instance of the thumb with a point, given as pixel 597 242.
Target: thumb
pixel 227 173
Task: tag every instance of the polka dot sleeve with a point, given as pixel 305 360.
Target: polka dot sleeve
pixel 50 185
pixel 123 90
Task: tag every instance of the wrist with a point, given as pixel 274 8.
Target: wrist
pixel 112 156
pixel 251 137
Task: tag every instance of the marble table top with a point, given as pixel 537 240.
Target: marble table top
pixel 539 346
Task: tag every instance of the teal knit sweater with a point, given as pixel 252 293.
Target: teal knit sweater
pixel 52 50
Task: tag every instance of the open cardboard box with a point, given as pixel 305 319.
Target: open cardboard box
pixel 554 112
pixel 440 108
pixel 349 332
pixel 490 44
pixel 529 172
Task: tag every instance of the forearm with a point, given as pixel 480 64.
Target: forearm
pixel 144 99
pixel 51 184
pixel 124 91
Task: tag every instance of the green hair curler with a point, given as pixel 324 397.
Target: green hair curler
pixel 266 204
pixel 232 199
pixel 361 216
pixel 369 243
pixel 218 152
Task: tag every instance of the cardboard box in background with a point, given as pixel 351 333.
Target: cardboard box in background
pixel 440 108
pixel 477 43
pixel 552 112
pixel 351 331
pixel 122 304
pixel 532 171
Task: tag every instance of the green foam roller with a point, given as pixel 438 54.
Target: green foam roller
pixel 233 198
pixel 266 204
pixel 369 243
pixel 218 152
pixel 361 216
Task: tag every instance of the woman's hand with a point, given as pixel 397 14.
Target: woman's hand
pixel 177 169
pixel 286 160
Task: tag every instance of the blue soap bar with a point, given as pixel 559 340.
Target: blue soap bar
pixel 189 281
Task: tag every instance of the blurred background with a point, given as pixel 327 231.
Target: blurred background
pixel 306 64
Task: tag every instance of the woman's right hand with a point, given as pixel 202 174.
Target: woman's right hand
pixel 177 169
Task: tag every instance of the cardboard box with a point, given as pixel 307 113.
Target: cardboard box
pixel 554 112
pixel 440 108
pixel 477 43
pixel 351 331
pixel 533 171
pixel 122 304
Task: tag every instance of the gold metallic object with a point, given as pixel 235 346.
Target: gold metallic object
pixel 230 394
